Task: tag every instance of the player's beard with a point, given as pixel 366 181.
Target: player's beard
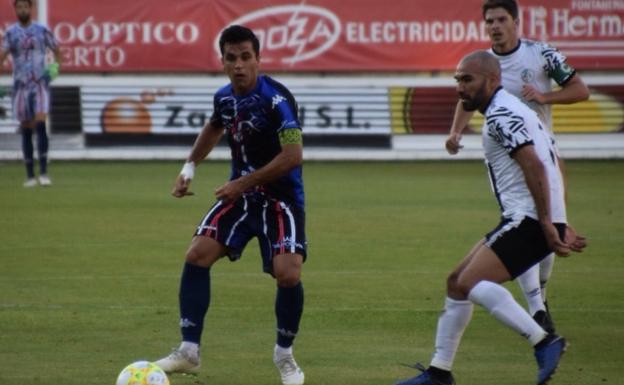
pixel 24 18
pixel 474 103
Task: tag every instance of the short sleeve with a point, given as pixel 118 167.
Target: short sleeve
pixel 6 45
pixel 556 66
pixel 50 40
pixel 215 119
pixel 508 129
pixel 285 109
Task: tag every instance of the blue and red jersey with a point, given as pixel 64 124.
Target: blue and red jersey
pixel 252 123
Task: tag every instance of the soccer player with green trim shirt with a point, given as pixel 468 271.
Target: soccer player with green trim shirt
pixel 528 68
pixel 526 181
pixel 27 42
pixel 263 198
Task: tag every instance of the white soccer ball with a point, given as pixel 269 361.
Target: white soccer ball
pixel 142 373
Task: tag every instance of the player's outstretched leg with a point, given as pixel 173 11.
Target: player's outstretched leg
pixel 288 310
pixel 548 354
pixel 194 301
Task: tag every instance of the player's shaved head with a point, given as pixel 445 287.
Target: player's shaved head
pixel 483 62
pixel 478 77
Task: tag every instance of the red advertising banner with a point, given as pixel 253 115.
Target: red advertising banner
pixel 319 35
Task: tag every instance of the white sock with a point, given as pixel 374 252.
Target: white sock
pixel 451 326
pixel 546 268
pixel 504 308
pixel 190 347
pixel 281 351
pixel 529 282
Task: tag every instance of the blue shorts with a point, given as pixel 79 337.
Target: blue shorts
pixel 279 227
pixel 520 243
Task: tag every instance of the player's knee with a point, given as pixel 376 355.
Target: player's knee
pixel 195 256
pixel 451 282
pixel 464 285
pixel 287 278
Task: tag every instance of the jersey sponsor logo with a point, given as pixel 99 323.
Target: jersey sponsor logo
pixel 290 34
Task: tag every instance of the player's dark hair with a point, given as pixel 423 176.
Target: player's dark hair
pixel 25 1
pixel 235 34
pixel 511 6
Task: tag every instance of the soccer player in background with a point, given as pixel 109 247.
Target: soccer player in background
pixel 527 70
pixel 523 171
pixel 264 198
pixel 27 42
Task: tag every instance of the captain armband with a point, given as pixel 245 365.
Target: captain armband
pixel 290 136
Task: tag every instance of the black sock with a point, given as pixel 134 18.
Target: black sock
pixel 27 150
pixel 194 300
pixel 288 310
pixel 42 147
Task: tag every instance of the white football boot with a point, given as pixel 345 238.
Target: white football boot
pixel 290 372
pixel 30 182
pixel 184 359
pixel 45 180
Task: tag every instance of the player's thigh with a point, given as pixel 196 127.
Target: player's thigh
pixel 485 265
pixel 287 269
pixel 41 102
pixel 204 251
pixel 40 117
pixel 451 282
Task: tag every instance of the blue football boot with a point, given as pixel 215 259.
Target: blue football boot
pixel 425 378
pixel 548 355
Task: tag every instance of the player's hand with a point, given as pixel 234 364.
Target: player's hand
pixel 230 191
pixel 530 94
pixel 51 71
pixel 576 241
pixel 180 190
pixel 453 144
pixel 555 243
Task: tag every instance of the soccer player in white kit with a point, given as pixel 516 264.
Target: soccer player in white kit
pixel 526 181
pixel 528 68
pixel 27 42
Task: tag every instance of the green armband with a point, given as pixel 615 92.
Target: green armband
pixel 290 136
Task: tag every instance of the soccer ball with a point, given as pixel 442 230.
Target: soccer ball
pixel 142 373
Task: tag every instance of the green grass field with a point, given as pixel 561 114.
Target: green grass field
pixel 89 273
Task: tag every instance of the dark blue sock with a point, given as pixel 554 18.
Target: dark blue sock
pixel 288 309
pixel 27 150
pixel 42 147
pixel 194 301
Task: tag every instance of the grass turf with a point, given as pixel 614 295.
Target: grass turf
pixel 89 273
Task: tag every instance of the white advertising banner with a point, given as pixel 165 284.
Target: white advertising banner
pixel 184 110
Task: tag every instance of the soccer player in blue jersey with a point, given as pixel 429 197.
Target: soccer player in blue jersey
pixel 264 198
pixel 28 42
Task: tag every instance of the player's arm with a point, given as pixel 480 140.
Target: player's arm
pixel 573 91
pixel 204 143
pixel 290 157
pixel 537 182
pixel 3 56
pixel 460 121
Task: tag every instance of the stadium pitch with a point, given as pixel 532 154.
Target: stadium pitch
pixel 89 273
